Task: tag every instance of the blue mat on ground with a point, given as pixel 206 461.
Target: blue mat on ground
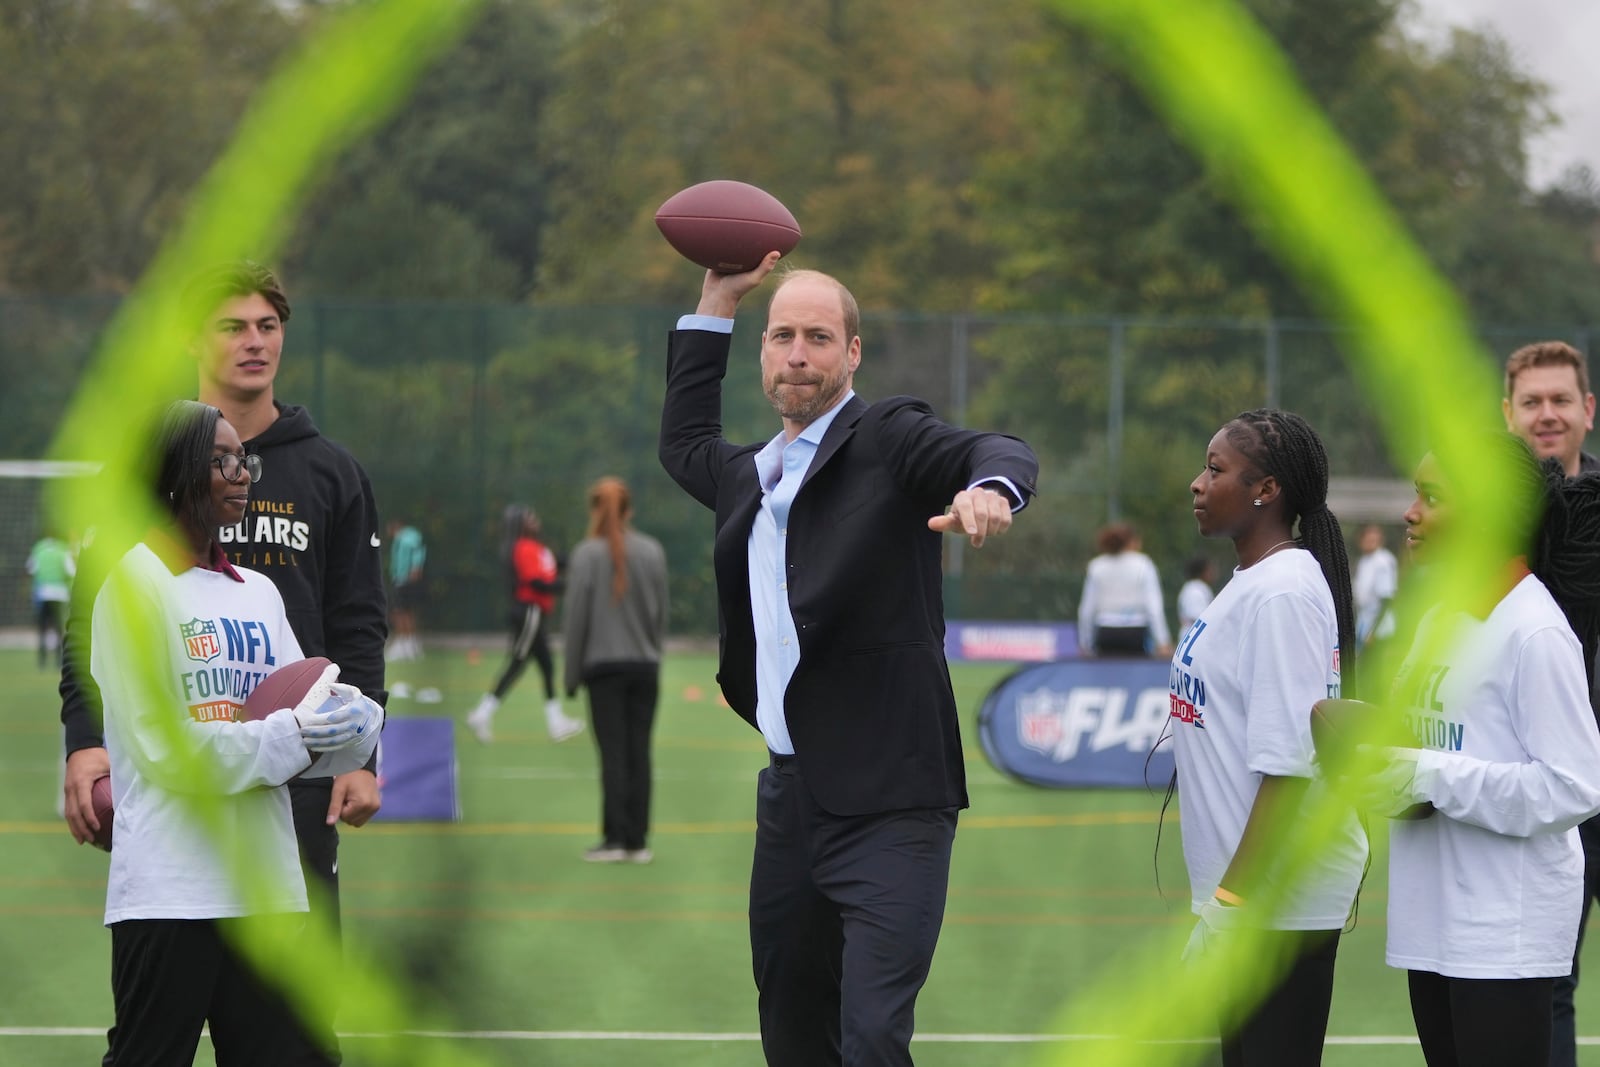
pixel 417 765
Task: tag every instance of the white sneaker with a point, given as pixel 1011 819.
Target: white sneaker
pixel 640 855
pixel 481 718
pixel 605 854
pixel 559 723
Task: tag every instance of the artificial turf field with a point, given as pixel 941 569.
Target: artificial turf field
pixel 520 953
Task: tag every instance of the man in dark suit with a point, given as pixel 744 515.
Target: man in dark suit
pixel 828 569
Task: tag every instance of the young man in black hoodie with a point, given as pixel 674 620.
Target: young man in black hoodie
pixel 312 527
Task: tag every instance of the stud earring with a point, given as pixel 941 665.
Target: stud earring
pixel 1258 502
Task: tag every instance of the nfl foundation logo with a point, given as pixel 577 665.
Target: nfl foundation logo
pixel 200 640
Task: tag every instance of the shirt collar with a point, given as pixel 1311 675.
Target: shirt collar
pixel 769 461
pixel 177 556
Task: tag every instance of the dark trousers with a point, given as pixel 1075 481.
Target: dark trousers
pixel 319 860
pixel 1564 1024
pixel 622 707
pixel 844 917
pixel 1122 640
pixel 1481 1022
pixel 169 977
pixel 530 639
pixel 1287 1029
pixel 49 619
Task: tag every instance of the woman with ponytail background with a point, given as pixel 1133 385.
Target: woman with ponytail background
pixel 616 616
pixel 1243 680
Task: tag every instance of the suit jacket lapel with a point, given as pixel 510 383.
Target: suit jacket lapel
pixel 843 425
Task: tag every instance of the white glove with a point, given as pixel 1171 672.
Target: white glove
pixel 345 718
pixel 1216 919
pixel 1386 783
pixel 319 692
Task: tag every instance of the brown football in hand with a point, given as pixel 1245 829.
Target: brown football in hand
pixel 284 687
pixel 100 797
pixel 727 226
pixel 1339 725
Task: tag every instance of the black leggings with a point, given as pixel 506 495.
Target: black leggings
pixel 1482 1022
pixel 622 707
pixel 530 639
pixel 1288 1027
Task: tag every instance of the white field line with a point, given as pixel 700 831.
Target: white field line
pixel 705 1038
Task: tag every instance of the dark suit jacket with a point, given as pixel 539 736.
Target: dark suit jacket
pixel 870 709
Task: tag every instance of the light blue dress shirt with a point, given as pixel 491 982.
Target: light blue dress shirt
pixel 781 467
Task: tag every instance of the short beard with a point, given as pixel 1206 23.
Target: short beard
pixel 806 411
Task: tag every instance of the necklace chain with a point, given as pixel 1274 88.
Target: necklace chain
pixel 1269 552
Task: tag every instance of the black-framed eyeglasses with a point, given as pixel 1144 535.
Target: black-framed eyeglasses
pixel 236 468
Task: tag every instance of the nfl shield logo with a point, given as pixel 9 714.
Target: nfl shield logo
pixel 200 640
pixel 1039 720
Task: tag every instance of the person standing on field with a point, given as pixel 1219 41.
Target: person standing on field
pixel 1243 681
pixel 1121 611
pixel 173 903
pixel 1486 891
pixel 407 556
pixel 829 588
pixel 311 527
pixel 1196 592
pixel 51 566
pixel 1376 582
pixel 1548 404
pixel 533 571
pixel 616 618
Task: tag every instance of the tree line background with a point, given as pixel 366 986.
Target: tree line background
pixel 482 296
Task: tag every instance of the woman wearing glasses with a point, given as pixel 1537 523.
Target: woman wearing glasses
pixel 180 637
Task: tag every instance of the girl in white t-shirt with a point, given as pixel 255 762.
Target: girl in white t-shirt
pixel 1243 681
pixel 1484 895
pixel 180 638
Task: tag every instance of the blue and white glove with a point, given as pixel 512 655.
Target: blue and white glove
pixel 346 717
pixel 1216 919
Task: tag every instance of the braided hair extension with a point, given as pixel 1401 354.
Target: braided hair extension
pixel 1283 445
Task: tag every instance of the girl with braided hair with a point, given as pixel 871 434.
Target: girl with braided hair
pixel 1485 894
pixel 1243 680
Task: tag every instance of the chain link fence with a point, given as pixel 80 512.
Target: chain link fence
pixel 458 410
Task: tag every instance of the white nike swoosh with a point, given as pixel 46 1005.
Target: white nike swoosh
pixel 375 541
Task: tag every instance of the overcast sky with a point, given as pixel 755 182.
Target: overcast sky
pixel 1559 42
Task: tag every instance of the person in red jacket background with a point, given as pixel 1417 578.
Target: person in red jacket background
pixel 535 580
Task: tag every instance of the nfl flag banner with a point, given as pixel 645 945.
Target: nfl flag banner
pixel 1080 723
